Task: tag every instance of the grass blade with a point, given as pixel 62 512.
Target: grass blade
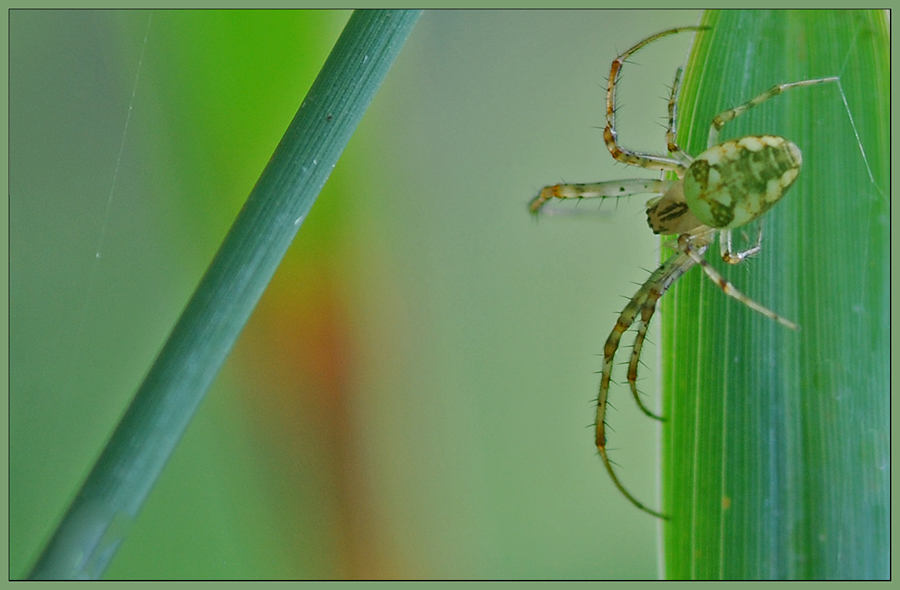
pixel 776 457
pixel 117 486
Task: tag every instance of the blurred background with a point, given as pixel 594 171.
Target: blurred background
pixel 413 396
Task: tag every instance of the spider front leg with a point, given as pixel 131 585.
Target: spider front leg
pixel 643 302
pixel 685 245
pixel 601 190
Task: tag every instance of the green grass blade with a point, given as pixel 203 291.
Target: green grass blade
pixel 776 458
pixel 117 486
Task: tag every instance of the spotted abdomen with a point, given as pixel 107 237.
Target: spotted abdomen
pixel 733 183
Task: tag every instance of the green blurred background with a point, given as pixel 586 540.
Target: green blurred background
pixel 413 396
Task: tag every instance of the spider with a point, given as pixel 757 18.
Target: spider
pixel 726 187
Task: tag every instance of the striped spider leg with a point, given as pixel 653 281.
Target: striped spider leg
pixel 726 187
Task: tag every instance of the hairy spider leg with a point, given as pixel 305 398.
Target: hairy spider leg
pixel 691 248
pixel 671 131
pixel 688 246
pixel 644 301
pixel 618 188
pixel 643 160
pixel 736 257
pixel 725 116
pixel 601 190
pixel 668 213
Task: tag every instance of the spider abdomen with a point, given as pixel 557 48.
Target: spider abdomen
pixel 733 183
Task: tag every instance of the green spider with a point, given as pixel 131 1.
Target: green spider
pixel 724 188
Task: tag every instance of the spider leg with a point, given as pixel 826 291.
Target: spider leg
pixel 602 190
pixel 644 301
pixel 736 257
pixel 647 310
pixel 673 148
pixel 724 117
pixel 684 244
pixel 610 135
pixel 621 488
